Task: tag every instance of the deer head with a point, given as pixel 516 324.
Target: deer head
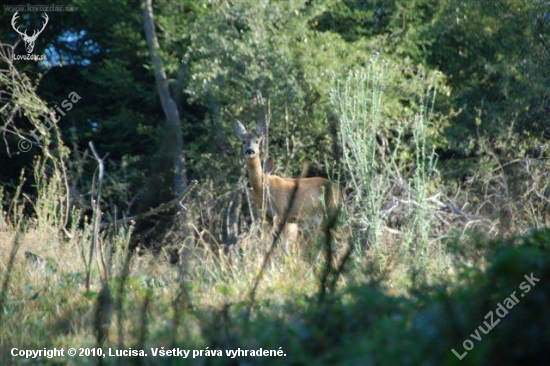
pixel 29 40
pixel 250 140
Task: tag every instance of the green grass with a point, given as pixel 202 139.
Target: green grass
pixel 375 315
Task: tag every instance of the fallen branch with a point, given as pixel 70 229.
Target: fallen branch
pixel 162 207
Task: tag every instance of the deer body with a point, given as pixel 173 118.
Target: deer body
pixel 308 197
pixel 279 193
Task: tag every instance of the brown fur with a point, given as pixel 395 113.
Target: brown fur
pixel 306 202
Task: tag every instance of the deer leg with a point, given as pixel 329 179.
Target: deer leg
pixel 291 236
pixel 289 233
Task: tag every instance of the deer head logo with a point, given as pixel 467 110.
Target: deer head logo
pixel 29 40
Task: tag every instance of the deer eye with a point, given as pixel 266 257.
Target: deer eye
pixel 244 142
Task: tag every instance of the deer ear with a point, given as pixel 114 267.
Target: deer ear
pixel 239 128
pixel 261 129
pixel 268 165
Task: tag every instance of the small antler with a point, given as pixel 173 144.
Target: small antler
pixel 45 16
pixel 13 19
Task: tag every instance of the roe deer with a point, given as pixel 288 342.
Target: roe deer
pixel 310 196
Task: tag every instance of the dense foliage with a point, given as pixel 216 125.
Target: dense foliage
pixel 249 59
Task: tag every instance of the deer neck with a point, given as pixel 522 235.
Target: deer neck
pixel 255 174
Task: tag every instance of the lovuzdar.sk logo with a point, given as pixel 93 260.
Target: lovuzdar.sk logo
pixel 29 40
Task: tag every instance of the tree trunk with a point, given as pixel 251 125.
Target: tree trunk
pixel 168 166
pixel 173 143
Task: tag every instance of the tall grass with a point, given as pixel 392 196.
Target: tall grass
pixel 420 232
pixel 357 101
pixel 390 165
pixel 51 204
